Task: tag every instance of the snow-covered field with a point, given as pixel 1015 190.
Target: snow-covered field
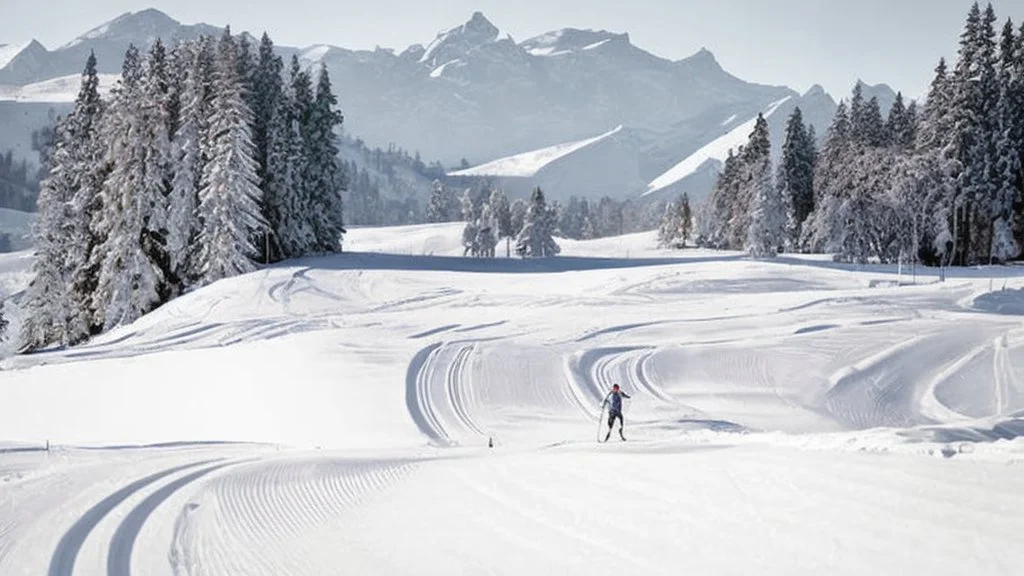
pixel 332 415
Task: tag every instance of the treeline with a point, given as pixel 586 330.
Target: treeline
pixel 578 219
pixel 204 160
pixel 385 186
pixel 940 184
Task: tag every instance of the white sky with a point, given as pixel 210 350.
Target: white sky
pixel 793 42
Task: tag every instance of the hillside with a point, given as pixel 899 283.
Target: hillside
pixel 357 395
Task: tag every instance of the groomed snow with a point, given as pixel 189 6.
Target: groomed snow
pixel 787 417
pixel 57 90
pixel 717 151
pixel 527 164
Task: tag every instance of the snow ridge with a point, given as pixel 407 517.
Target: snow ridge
pixel 527 164
pixel 716 150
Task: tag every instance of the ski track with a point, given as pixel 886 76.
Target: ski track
pixel 119 553
pixel 417 399
pixel 62 562
pixel 265 518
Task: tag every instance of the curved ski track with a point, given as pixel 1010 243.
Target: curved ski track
pixel 62 562
pixel 442 409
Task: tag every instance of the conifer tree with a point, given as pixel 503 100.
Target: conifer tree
pixel 229 200
pixel 796 175
pixel 536 238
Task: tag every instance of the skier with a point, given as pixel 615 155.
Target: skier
pixel 615 410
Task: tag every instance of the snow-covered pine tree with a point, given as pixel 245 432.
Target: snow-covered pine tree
pixel 873 131
pixel 796 175
pixel 753 157
pixel 469 232
pixel 325 178
pixel 671 223
pixel 1009 145
pixel 486 239
pixel 270 127
pixel 47 305
pixel 300 99
pixel 502 211
pixel 830 175
pixel 686 214
pixel 158 173
pixel 229 201
pixel 716 213
pixel 535 240
pixel 87 171
pixel 437 206
pixel 190 151
pixel 767 232
pixel 969 137
pixel 517 216
pixel 900 126
pixel 134 197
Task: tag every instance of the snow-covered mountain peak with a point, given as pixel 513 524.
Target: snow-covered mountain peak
pixel 461 40
pixel 703 60
pixel 815 91
pixel 146 23
pixel 8 52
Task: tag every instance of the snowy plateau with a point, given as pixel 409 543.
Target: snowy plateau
pixel 333 415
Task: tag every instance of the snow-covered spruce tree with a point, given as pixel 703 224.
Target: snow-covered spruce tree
pixel 229 200
pixel 57 301
pixel 87 173
pixel 668 231
pixel 486 239
pixel 502 210
pixel 517 216
pixel 1009 147
pixel 133 221
pixel 900 127
pixel 270 127
pixel 830 177
pixel 973 90
pixel 796 175
pixel 469 232
pixel 437 206
pixel 714 216
pixel 190 150
pixel 767 233
pixel 325 179
pixel 47 305
pixel 536 240
pixel 302 236
pixel 755 153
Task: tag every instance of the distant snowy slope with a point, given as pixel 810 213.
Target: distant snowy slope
pixel 9 51
pixel 717 150
pixel 527 164
pixel 57 90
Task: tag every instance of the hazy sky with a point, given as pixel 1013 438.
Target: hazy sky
pixel 793 42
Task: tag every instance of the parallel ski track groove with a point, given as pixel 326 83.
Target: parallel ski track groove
pixel 62 563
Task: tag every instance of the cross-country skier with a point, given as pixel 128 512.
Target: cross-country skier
pixel 614 398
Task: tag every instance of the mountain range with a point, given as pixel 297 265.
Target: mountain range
pixel 579 112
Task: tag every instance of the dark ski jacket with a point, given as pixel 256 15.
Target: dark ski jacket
pixel 616 400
